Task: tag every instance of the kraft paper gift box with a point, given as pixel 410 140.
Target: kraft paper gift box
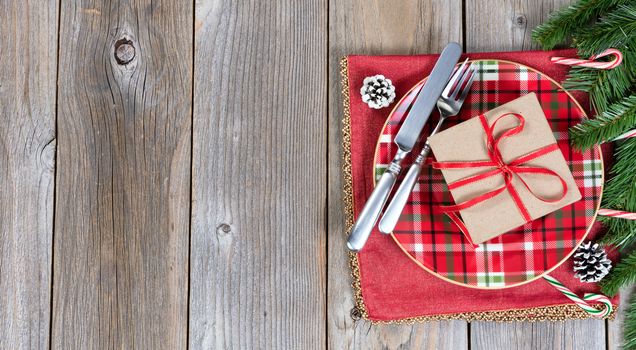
pixel 467 142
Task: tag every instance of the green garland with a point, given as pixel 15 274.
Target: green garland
pixel 592 26
pixel 615 120
pixel 563 24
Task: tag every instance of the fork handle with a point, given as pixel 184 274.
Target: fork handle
pixel 401 196
pixel 373 208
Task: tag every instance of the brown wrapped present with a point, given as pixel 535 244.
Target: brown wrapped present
pixel 503 169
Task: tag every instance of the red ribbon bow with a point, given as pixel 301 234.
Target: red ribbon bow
pixel 508 170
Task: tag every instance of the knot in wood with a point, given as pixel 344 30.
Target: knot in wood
pixel 521 21
pixel 223 229
pixel 355 314
pixel 124 51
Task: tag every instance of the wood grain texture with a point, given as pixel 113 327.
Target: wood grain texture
pixel 123 184
pixel 27 160
pixel 346 334
pixel 258 265
pixel 571 335
pixel 508 27
pixel 504 25
pixel 378 27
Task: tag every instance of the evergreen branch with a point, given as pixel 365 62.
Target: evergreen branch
pixel 623 273
pixel 629 334
pixel 620 232
pixel 614 121
pixel 563 23
pixel 617 29
pixel 620 190
pixel 604 86
pixel 620 194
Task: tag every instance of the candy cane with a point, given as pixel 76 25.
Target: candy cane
pixel 617 214
pixel 631 133
pixel 583 303
pixel 592 63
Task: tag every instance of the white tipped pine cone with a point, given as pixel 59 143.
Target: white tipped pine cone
pixel 377 91
pixel 591 263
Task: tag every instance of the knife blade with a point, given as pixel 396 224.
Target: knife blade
pixel 427 98
pixel 405 140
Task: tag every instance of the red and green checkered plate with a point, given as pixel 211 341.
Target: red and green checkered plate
pixel 520 255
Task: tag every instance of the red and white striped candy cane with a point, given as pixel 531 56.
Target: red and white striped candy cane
pixel 583 302
pixel 631 133
pixel 592 63
pixel 617 214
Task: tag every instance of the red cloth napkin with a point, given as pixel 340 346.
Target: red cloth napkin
pixel 392 287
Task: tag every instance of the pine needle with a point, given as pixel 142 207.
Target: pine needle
pixel 620 190
pixel 565 22
pixel 620 194
pixel 617 29
pixel 604 86
pixel 620 232
pixel 617 119
pixel 623 273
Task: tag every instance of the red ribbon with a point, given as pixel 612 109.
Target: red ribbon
pixel 509 170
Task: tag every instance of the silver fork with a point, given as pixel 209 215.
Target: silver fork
pixel 448 104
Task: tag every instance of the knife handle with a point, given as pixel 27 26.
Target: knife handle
pixel 401 196
pixel 372 209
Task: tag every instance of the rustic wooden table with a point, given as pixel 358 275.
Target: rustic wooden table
pixel 170 172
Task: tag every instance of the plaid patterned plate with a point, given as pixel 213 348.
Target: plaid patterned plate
pixel 520 255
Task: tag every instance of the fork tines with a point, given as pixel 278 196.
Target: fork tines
pixel 462 77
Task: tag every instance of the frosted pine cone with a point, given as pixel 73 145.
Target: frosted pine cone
pixel 591 263
pixel 377 91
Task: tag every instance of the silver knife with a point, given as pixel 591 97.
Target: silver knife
pixel 405 140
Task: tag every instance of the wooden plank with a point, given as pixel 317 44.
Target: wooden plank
pixel 123 194
pixel 258 266
pixel 504 25
pixel 378 27
pixel 579 334
pixel 615 328
pixel 508 26
pixel 27 162
pixel 346 334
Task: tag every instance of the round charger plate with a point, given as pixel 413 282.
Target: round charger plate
pixel 519 256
